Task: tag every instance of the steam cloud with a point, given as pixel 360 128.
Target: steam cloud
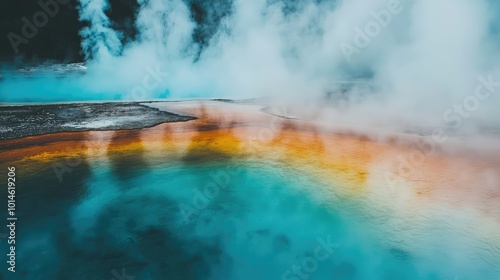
pixel 420 58
pixel 99 40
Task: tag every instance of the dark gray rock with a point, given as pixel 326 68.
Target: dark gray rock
pixel 29 120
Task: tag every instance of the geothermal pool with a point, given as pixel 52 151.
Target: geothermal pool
pixel 239 194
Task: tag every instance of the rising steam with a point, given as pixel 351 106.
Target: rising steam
pixel 420 58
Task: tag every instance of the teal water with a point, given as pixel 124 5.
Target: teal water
pixel 206 220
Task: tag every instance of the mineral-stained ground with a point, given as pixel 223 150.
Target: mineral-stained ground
pixel 29 120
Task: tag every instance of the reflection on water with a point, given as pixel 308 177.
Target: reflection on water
pixel 125 164
pixel 208 214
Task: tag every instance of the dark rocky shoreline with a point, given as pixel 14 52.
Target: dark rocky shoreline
pixel 29 120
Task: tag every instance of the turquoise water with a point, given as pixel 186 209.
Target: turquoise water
pixel 205 220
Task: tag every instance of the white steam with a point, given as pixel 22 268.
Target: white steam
pixel 421 58
pixel 99 40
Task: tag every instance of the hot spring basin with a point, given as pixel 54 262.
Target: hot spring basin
pixel 243 199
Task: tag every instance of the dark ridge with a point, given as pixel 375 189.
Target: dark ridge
pixel 59 41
